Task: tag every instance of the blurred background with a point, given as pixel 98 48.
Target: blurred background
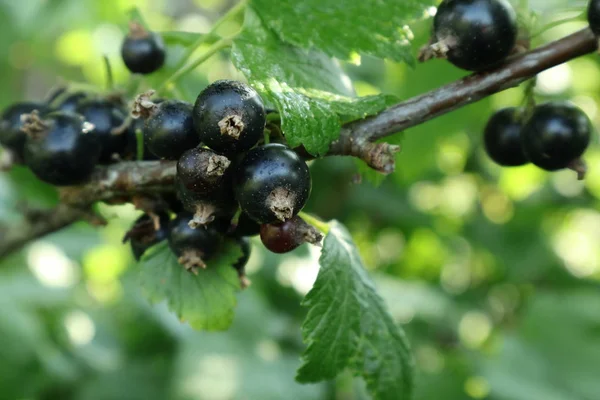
pixel 494 273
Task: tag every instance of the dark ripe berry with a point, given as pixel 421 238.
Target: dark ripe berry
pixel 61 149
pixel 556 135
pixel 11 135
pixel 202 170
pixel 272 183
pixel 145 233
pixel 72 102
pixel 143 52
pixel 476 33
pixel 593 13
pixel 170 130
pixel 193 246
pixel 105 116
pixel 229 117
pixel 246 226
pixel 502 137
pixel 207 206
pixel 286 236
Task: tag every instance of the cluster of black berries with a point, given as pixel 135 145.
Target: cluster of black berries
pixel 230 183
pixel 553 137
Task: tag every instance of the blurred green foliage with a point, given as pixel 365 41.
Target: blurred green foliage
pixel 492 272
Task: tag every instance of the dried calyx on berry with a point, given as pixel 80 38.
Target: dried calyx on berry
pixel 143 52
pixel 202 170
pixel 106 116
pixel 285 237
pixel 61 148
pixel 502 137
pixel 229 117
pixel 207 206
pixel 272 183
pixel 144 234
pixel 473 34
pixel 193 247
pixel 12 136
pixel 556 136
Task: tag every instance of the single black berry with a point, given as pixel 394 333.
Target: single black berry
pixel 193 246
pixel 593 13
pixel 170 130
pixel 475 34
pixel 143 52
pixel 502 137
pixel 11 135
pixel 202 170
pixel 106 117
pixel 146 232
pixel 229 117
pixel 206 207
pixel 556 135
pixel 72 102
pixel 286 236
pixel 61 149
pixel 272 183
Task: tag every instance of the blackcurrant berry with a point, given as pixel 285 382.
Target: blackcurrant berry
pixel 170 130
pixel 593 14
pixel 202 170
pixel 61 149
pixel 229 117
pixel 11 135
pixel 72 102
pixel 240 264
pixel 145 233
pixel 105 116
pixel 193 246
pixel 502 137
pixel 475 34
pixel 207 206
pixel 286 236
pixel 556 135
pixel 272 183
pixel 143 52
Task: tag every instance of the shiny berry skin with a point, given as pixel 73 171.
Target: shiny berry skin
pixel 72 102
pixel 229 117
pixel 556 135
pixel 170 130
pixel 143 52
pixel 272 183
pixel 282 237
pixel 478 33
pixel 207 206
pixel 65 152
pixel 593 14
pixel 11 135
pixel 502 137
pixel 202 170
pixel 105 116
pixel 143 234
pixel 182 237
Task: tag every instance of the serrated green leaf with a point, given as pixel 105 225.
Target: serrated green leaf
pixel 341 28
pixel 207 300
pixel 348 326
pixel 309 89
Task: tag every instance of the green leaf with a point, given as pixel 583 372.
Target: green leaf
pixel 207 300
pixel 341 28
pixel 309 89
pixel 348 325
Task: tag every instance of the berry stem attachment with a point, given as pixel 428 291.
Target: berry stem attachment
pixel 580 167
pixel 110 81
pixel 317 223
